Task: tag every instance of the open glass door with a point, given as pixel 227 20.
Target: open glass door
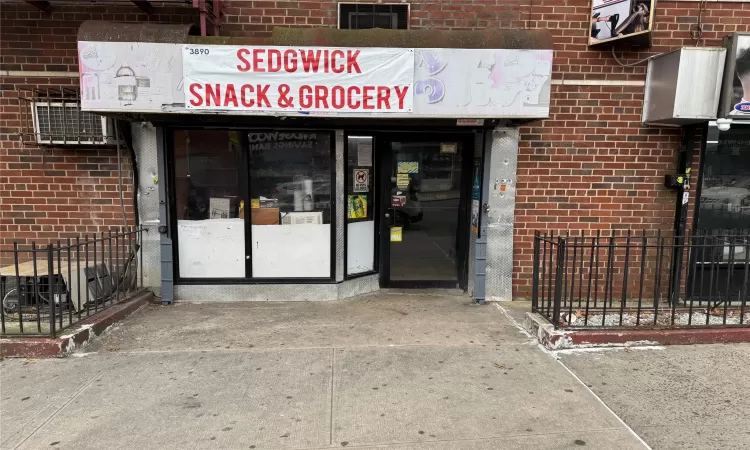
pixel 424 213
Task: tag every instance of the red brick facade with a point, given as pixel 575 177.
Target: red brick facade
pixel 49 193
pixel 592 165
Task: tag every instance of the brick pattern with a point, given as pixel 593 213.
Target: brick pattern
pixel 49 193
pixel 32 40
pixel 257 18
pixel 591 166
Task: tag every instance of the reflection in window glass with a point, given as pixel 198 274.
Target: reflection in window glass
pixel 209 204
pixel 290 203
pixel 725 193
pixel 360 198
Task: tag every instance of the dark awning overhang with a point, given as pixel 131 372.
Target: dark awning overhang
pixel 94 30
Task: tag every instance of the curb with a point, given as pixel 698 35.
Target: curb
pixel 553 339
pixel 76 336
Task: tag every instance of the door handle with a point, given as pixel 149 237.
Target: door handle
pixel 391 214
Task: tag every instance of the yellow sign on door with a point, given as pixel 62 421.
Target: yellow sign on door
pixel 402 180
pixel 396 234
pixel 407 167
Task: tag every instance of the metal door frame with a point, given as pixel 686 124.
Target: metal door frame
pixel 384 160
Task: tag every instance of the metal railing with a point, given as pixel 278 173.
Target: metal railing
pixel 635 280
pixel 47 288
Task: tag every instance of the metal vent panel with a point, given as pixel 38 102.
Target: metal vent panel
pixel 60 122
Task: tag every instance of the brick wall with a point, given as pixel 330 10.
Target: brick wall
pixel 48 193
pixel 592 165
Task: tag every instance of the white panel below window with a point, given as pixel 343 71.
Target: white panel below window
pixel 291 251
pixel 360 250
pixel 213 248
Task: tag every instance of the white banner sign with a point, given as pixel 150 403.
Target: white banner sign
pixel 298 79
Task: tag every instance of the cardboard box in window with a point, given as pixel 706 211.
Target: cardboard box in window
pixel 264 216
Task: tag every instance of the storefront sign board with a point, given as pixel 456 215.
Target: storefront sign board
pixel 482 83
pixel 221 77
pixel 129 76
pixel 463 84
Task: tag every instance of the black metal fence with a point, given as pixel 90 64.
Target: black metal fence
pixel 630 280
pixel 45 289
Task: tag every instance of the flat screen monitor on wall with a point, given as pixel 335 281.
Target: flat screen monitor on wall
pixel 614 21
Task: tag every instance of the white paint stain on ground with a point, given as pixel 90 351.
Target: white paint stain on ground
pixel 663 318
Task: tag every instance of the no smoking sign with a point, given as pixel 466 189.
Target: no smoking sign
pixel 361 180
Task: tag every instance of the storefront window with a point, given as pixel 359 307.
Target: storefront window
pixel 291 188
pixel 209 204
pixel 725 193
pixel 360 243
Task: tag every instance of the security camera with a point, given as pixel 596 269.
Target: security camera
pixel 723 124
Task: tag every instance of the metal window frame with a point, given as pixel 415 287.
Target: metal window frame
pixel 245 172
pixel 375 209
pixel 374 5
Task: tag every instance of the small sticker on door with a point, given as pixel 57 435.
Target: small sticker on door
pixel 398 201
pixel 396 234
pixel 361 180
pixel 402 180
pixel 408 167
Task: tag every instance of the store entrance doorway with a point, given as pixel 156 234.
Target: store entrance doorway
pixel 424 213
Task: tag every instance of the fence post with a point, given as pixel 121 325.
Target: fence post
pixel 18 287
pixel 50 274
pixel 535 274
pixel 559 268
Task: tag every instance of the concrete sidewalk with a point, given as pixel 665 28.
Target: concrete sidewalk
pixel 676 397
pixel 390 370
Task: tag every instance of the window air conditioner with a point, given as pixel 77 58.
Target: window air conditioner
pixel 63 123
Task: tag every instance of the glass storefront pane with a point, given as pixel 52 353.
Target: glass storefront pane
pixel 425 190
pixel 290 203
pixel 725 193
pixel 209 204
pixel 360 198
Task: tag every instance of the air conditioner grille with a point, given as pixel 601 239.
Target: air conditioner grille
pixel 67 123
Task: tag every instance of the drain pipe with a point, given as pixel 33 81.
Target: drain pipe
pixel 681 182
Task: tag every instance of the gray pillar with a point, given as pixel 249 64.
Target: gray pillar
pixel 144 144
pixel 501 161
pixel 340 202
